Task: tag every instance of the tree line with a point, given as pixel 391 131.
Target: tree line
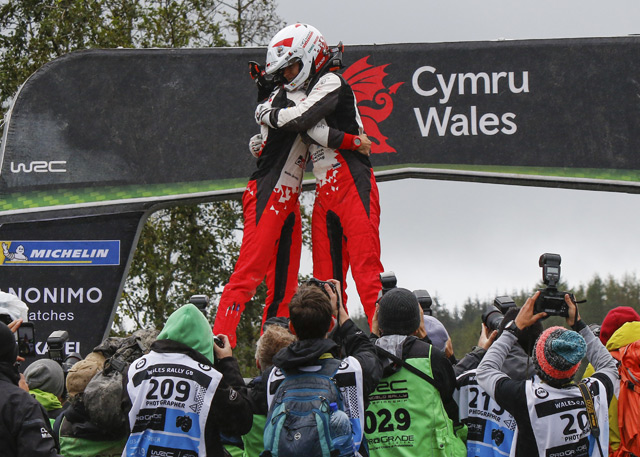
pixel 602 294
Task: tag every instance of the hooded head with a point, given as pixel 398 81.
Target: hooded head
pixel 187 325
pixel 615 319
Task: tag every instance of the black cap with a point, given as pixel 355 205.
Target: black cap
pixel 399 312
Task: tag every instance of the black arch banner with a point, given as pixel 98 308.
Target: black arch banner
pixel 97 139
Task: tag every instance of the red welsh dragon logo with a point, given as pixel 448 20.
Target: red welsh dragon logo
pixel 374 100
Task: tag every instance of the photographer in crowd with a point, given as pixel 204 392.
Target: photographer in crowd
pixel 274 338
pixel 25 430
pixel 491 429
pixel 180 399
pixel 424 408
pixel 550 409
pixel 79 436
pixel 315 357
pixel 45 379
pixel 619 331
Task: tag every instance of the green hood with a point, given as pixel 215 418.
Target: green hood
pixel 46 399
pixel 187 325
pixel 626 334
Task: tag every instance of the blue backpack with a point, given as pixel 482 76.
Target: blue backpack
pixel 298 421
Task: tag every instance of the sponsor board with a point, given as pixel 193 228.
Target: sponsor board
pixel 60 253
pixel 55 283
pixel 549 108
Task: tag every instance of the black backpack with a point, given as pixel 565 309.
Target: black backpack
pixel 298 419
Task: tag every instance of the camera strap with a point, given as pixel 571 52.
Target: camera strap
pixel 591 413
pixel 411 368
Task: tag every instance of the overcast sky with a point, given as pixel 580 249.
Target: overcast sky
pixel 460 240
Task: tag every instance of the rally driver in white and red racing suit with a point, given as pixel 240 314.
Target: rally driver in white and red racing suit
pixel 272 237
pixel 346 213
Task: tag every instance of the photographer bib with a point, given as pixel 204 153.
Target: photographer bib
pixel 560 422
pixel 491 429
pixel 171 396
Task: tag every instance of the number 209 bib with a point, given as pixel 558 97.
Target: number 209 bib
pixel 171 396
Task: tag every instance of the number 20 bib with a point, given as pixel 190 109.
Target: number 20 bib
pixel 560 422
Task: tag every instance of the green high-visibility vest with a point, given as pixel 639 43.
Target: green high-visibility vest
pixel 406 417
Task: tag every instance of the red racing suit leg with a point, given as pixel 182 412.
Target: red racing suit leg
pixel 345 230
pixel 271 246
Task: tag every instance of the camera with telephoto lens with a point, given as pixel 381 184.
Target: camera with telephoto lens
pixel 70 360
pixel 492 318
pixel 551 300
pixel 425 301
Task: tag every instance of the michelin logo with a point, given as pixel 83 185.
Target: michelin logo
pixel 17 256
pixel 60 253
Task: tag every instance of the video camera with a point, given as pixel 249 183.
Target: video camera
pixel 57 350
pixel 492 318
pixel 551 300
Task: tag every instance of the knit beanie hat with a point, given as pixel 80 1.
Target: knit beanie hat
pixel 8 345
pixel 81 373
pixel 46 375
pixel 615 319
pixel 399 312
pixel 558 354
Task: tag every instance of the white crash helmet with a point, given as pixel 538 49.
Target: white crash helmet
pixel 301 42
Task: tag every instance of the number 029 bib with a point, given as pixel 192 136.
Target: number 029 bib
pixel 406 417
pixel 171 396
